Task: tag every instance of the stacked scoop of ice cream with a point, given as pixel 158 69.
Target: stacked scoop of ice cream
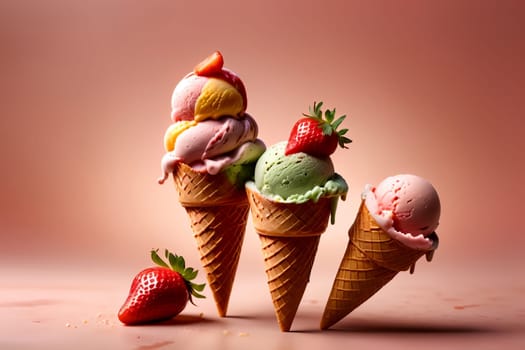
pixel 394 227
pixel 294 193
pixel 211 150
pixel 211 130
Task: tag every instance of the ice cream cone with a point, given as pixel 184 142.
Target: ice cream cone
pixel 371 260
pixel 218 212
pixel 289 235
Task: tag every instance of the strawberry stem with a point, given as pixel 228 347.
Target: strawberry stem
pixel 157 259
pixel 177 264
pixel 327 124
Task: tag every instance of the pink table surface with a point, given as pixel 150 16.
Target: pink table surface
pixel 453 307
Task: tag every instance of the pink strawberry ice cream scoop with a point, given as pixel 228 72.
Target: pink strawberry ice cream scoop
pixel 407 207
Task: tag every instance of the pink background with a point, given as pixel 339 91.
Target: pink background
pixel 430 88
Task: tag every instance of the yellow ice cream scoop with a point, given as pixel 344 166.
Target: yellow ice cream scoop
pixel 218 98
pixel 173 131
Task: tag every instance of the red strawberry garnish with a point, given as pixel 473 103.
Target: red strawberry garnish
pixel 161 292
pixel 315 135
pixel 210 66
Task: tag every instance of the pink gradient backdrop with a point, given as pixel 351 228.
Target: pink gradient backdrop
pixel 431 88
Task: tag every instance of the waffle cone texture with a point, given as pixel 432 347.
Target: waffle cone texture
pixel 289 235
pixel 372 258
pixel 218 212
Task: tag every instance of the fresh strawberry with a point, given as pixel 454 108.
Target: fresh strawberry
pixel 315 135
pixel 211 65
pixel 161 292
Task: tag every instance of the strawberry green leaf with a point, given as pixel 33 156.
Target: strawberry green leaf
pixel 197 295
pixel 174 261
pixel 190 274
pixel 180 263
pixel 338 122
pixel 317 110
pixel 198 287
pixel 194 289
pixel 343 141
pixel 329 115
pixel 157 259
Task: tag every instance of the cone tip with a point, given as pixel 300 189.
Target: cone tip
pixel 284 328
pixel 325 323
pixel 285 322
pixel 222 308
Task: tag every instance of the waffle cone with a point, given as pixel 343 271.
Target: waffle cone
pixel 372 258
pixel 218 212
pixel 289 235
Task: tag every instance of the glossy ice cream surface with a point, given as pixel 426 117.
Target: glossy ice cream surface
pixel 407 207
pixel 296 178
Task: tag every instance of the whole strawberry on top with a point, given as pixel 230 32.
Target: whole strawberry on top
pixel 301 169
pixel 316 135
pixel 161 292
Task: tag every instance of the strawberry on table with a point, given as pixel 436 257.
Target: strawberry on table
pixel 316 135
pixel 161 292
